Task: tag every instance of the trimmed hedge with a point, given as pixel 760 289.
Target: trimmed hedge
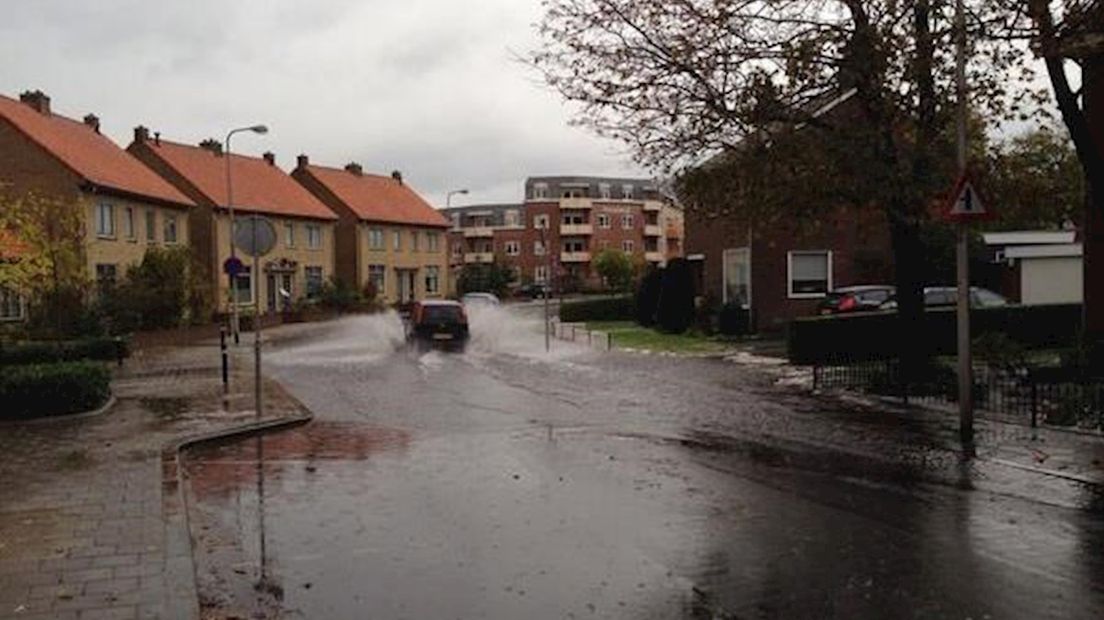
pixel 868 336
pixel 608 309
pixel 44 352
pixel 41 390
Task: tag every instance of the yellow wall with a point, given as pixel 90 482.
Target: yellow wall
pixel 123 249
pixel 405 258
pixel 299 253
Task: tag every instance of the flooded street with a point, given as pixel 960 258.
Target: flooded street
pixel 509 483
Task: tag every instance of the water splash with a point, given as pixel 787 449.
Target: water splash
pixel 353 340
pixel 499 330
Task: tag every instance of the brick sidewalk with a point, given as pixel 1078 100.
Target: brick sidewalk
pixel 90 520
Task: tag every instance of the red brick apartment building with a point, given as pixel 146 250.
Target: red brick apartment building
pixel 579 216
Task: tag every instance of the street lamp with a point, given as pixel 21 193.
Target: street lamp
pixel 234 320
pixel 448 196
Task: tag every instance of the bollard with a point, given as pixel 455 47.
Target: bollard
pixel 225 361
pixel 609 341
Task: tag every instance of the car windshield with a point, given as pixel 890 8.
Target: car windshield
pixel 441 314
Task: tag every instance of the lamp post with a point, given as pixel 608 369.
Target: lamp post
pixel 448 196
pixel 234 318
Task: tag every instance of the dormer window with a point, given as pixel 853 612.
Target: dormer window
pixel 540 190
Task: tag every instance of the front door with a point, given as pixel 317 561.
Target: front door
pixel 737 277
pixel 286 292
pixel 270 292
pixel 404 279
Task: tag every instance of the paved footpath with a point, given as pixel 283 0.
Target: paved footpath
pixel 91 524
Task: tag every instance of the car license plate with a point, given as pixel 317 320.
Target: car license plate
pixel 442 336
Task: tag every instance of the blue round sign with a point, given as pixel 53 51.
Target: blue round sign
pixel 233 266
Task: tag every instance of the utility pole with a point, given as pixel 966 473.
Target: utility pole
pixel 965 361
pixel 546 290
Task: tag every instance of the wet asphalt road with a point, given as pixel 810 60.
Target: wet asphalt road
pixel 503 483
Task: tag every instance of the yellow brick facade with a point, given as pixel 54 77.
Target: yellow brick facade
pixel 123 241
pixel 409 261
pixel 288 263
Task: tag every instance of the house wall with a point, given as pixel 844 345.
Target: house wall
pixel 299 254
pixel 1051 280
pixel 123 249
pixel 406 258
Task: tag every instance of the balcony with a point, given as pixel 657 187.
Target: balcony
pixel 574 257
pixel 654 257
pixel 567 230
pixel 478 232
pixel 652 206
pixel 652 230
pixel 479 257
pixel 577 203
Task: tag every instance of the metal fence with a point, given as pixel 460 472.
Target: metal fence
pixel 1054 396
pixel 579 334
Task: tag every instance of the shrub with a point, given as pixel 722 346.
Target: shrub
pixel 158 293
pixel 62 314
pixel 705 314
pixel 610 309
pixel 675 312
pixel 733 320
pixel 38 390
pixel 338 295
pixel 616 269
pixel 647 297
pixel 100 349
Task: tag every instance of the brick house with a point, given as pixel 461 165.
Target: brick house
pixel 582 216
pixel 781 269
pixel 127 208
pixel 13 305
pixel 303 258
pixel 387 234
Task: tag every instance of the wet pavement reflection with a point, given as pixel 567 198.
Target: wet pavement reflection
pixel 506 485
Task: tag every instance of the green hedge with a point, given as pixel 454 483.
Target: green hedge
pixel 42 352
pixel 875 335
pixel 40 390
pixel 608 309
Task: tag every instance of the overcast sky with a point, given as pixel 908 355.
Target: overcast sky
pixel 429 87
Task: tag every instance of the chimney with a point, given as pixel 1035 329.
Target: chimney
pixel 141 134
pixel 270 157
pixel 212 145
pixel 157 138
pixel 397 176
pixel 302 161
pixel 92 121
pixel 37 100
pixel 354 168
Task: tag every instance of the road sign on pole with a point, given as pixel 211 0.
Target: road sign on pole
pixel 966 204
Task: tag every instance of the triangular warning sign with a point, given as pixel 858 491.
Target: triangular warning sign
pixel 966 202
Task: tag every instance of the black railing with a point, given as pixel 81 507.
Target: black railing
pixel 1054 396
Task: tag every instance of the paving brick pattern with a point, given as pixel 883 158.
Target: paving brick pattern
pixel 91 524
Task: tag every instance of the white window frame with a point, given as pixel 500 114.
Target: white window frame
pixel 432 276
pixel 245 274
pixel 541 221
pixel 10 299
pixel 604 191
pixel 724 274
pixel 396 240
pixel 789 273
pixel 538 248
pixel 457 249
pixel 415 241
pixel 314 237
pixel 170 225
pixel 512 248
pixel 289 234
pixel 511 218
pixel 433 242
pixel 627 191
pixel 381 282
pixel 151 226
pixel 574 246
pixel 540 274
pixel 627 221
pixel 377 240
pixel 604 220
pixel 105 220
pixel 129 229
pixel 307 270
pixel 627 246
pixel 540 190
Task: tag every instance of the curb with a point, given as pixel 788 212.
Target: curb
pixel 1085 480
pixel 66 417
pixel 180 567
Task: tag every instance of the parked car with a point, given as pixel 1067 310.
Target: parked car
pixel 533 290
pixel 945 296
pixel 856 298
pixel 471 300
pixel 437 324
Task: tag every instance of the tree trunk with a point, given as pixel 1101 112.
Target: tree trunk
pixel 1093 81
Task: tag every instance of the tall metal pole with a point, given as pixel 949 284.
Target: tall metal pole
pixel 965 362
pixel 257 325
pixel 234 318
pixel 546 290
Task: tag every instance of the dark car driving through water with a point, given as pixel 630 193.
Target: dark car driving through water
pixel 441 324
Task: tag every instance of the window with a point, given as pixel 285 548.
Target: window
pixel 128 223
pixel 810 273
pixel 603 220
pixel 11 305
pixel 604 191
pixel 540 274
pixel 627 192
pixel 243 286
pixel 432 280
pixel 512 218
pixel 627 246
pixel 540 190
pixel 105 276
pixel 455 221
pixel 540 221
pixel 315 279
pixel 603 244
pixel 573 219
pixel 289 234
pixel 573 193
pixel 574 246
pixel 377 277
pixel 433 242
pixel 736 273
pixel 538 248
pixel 375 238
pixel 513 248
pixel 627 221
pixel 457 249
pixel 170 229
pixel 397 241
pixel 151 225
pixel 414 241
pixel 105 220
pixel 314 236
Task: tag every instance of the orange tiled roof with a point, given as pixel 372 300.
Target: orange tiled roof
pixel 258 185
pixel 378 198
pixel 88 153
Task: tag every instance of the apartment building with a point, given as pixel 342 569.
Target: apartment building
pixel 387 235
pixel 573 219
pixel 303 259
pixel 127 208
